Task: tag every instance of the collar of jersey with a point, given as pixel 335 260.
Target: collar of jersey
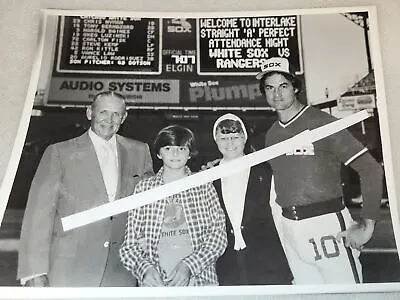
pixel 294 118
pixel 159 178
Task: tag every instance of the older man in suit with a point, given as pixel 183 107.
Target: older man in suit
pixel 75 175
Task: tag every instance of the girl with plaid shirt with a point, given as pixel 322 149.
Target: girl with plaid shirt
pixel 177 240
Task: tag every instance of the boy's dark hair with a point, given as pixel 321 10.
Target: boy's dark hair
pixel 229 126
pixel 294 80
pixel 175 135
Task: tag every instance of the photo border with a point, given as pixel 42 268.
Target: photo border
pixel 12 165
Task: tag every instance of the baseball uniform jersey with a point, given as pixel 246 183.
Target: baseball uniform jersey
pixel 308 177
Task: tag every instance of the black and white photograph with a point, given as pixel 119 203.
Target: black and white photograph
pixel 204 149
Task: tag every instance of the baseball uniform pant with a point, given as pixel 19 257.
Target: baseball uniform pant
pixel 314 255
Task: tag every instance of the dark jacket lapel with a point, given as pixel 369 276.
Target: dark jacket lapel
pixel 251 189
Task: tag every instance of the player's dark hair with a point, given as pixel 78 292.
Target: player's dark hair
pixel 229 126
pixel 175 135
pixel 293 79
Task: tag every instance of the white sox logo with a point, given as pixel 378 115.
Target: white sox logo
pixel 302 150
pixel 272 65
pixel 179 25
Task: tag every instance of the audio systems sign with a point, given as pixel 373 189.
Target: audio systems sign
pixel 82 90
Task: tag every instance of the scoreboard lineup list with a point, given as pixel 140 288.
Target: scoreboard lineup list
pixel 97 43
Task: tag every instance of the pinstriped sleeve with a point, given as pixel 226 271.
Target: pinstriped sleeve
pixel 215 240
pixel 133 257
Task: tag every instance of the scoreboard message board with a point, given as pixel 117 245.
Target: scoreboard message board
pixel 192 62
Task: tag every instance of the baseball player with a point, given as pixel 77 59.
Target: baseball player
pixel 321 241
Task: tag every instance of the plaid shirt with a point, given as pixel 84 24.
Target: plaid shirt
pixel 206 225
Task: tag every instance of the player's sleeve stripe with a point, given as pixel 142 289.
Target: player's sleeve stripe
pixel 355 156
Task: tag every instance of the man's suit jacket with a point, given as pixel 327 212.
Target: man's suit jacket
pixel 69 180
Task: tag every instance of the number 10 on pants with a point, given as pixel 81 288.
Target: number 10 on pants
pixel 326 246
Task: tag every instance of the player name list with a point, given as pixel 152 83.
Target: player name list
pixel 110 43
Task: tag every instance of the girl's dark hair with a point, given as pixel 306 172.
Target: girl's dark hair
pixel 294 80
pixel 175 135
pixel 229 126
